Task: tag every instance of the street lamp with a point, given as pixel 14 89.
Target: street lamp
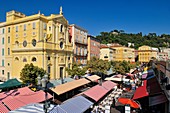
pixel 44 82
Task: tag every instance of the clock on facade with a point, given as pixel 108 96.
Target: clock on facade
pixel 34 42
pixel 25 43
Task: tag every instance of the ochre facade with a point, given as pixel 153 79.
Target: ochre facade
pixel 38 39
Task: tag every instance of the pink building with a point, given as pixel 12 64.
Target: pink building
pixel 78 37
pixel 93 47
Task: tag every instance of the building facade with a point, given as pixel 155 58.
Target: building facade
pixel 38 39
pixel 162 56
pixel 146 53
pixel 93 47
pixel 107 53
pixel 3 76
pixel 123 53
pixel 78 38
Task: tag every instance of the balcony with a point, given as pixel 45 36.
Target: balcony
pixel 81 42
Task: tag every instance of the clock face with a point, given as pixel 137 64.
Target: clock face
pixel 61 45
pixel 25 43
pixel 34 42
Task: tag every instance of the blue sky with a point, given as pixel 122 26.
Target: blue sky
pixel 132 16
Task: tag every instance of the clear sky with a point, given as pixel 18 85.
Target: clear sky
pixel 132 16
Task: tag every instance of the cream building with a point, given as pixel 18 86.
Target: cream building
pixel 2 52
pixel 146 53
pixel 106 53
pixel 38 39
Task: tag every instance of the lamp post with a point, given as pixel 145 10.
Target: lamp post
pixel 44 82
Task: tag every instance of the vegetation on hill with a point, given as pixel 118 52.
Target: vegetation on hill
pixel 152 39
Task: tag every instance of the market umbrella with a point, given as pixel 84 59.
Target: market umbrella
pixel 131 102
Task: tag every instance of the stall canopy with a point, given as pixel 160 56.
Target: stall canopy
pixel 77 104
pixel 31 108
pixel 116 79
pixel 93 77
pixel 141 91
pixel 63 88
pixel 157 99
pixel 97 92
pixel 3 109
pixel 58 82
pixel 21 97
pixel 10 83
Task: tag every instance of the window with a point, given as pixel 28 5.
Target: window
pixel 61 72
pixel 34 59
pixel 49 68
pixel 8 51
pixel 8 64
pixel 34 42
pixel 16 59
pixel 25 43
pixel 45 26
pixel 33 25
pixel 24 60
pixel 3 63
pixel 16 43
pixel 3 41
pixel 61 28
pixel 3 72
pixel 48 57
pixel 8 29
pixel 3 31
pixel 2 51
pixel 24 27
pixel 8 40
pixel 16 28
pixel 68 58
pixel 61 45
pixel 49 28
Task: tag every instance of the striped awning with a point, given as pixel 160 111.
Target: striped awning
pixel 3 109
pixel 13 103
pixel 96 92
pixel 109 85
pixel 31 108
pixel 77 104
pixel 35 97
pixel 63 88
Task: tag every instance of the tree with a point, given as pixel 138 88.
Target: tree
pixel 30 72
pixel 98 65
pixel 76 70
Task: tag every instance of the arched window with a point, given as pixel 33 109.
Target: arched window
pixel 24 60
pixel 16 59
pixel 34 59
pixel 16 43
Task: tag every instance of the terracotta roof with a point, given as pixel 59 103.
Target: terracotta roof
pixel 60 89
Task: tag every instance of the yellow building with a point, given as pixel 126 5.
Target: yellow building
pixel 38 39
pixel 123 53
pixel 146 53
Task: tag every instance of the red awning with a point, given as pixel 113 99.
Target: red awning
pixel 35 97
pixel 141 91
pixel 155 100
pixel 109 85
pixel 3 109
pixel 13 103
pixel 96 92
